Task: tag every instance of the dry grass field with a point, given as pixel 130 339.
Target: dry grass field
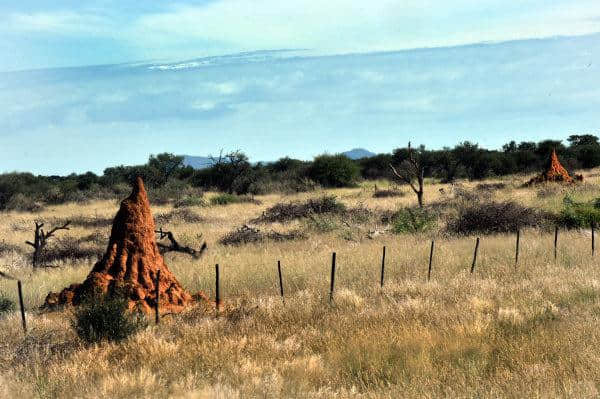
pixel 529 331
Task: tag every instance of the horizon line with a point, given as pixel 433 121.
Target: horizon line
pixel 324 152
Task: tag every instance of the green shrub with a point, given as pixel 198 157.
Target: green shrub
pixel 6 305
pixel 321 223
pixel 334 171
pixel 413 220
pixel 104 317
pixel 226 199
pixel 579 215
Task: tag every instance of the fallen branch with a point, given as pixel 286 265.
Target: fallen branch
pixel 175 247
pixel 7 276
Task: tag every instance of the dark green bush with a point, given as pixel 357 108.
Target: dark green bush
pixel 285 212
pixel 231 173
pixel 23 203
pixel 248 234
pixel 413 220
pixel 103 317
pixel 6 305
pixel 579 215
pixel 490 217
pixel 334 171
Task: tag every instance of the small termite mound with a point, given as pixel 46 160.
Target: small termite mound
pixel 554 173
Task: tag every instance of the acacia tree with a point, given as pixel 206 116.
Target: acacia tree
pixel 166 165
pixel 411 170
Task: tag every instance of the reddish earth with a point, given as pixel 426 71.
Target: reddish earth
pixel 131 263
pixel 554 172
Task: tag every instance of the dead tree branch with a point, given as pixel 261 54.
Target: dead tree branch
pixel 412 169
pixel 175 247
pixel 7 276
pixel 41 239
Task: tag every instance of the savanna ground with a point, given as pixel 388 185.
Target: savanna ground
pixel 530 331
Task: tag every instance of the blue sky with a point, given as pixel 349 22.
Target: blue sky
pixel 350 85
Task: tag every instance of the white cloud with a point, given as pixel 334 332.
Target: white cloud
pixel 226 88
pixel 56 22
pixel 203 105
pixel 342 25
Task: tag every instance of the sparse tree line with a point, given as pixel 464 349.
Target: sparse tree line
pixel 168 179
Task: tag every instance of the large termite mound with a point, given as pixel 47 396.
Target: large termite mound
pixel 554 172
pixel 131 264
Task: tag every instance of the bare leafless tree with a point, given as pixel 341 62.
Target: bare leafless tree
pixel 411 170
pixel 175 247
pixel 41 239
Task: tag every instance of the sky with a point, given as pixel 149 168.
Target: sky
pixel 87 85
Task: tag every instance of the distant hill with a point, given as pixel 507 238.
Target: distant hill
pixel 197 162
pixel 205 162
pixel 358 153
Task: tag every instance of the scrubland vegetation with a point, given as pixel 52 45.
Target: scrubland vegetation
pixel 232 174
pixel 526 330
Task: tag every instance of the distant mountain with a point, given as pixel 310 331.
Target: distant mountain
pixel 358 153
pixel 205 162
pixel 197 162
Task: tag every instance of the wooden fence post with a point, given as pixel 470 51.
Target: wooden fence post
pixel 555 242
pixel 217 289
pixel 23 321
pixel 382 266
pixel 332 278
pixel 430 260
pixel 593 238
pixel 475 256
pixel 280 281
pixel 517 247
pixel 157 311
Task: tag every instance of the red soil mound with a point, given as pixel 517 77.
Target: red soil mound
pixel 130 264
pixel 555 172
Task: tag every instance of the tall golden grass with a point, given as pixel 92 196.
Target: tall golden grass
pixel 504 331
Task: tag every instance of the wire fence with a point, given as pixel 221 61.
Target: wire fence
pixel 218 294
